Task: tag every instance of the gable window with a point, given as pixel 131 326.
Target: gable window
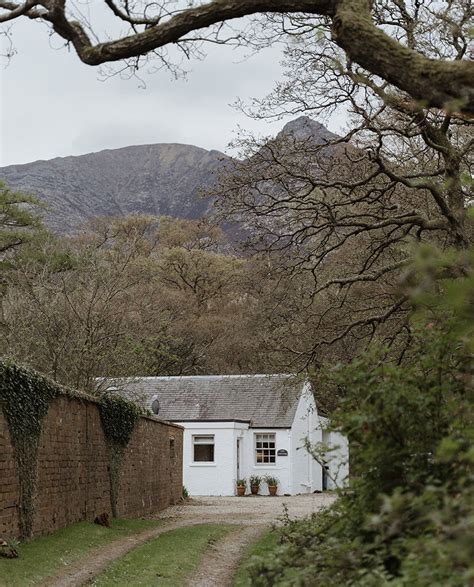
pixel 203 448
pixel 265 452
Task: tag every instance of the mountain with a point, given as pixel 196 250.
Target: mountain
pixel 305 128
pixel 160 179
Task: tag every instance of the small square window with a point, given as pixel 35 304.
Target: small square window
pixel 265 452
pixel 203 448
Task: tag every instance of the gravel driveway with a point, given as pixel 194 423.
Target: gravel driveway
pixel 247 511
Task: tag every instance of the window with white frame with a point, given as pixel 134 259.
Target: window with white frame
pixel 265 452
pixel 203 448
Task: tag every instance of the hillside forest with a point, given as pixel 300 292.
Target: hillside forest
pixel 138 295
pixel 303 261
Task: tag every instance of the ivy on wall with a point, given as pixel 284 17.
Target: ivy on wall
pixel 25 398
pixel 119 417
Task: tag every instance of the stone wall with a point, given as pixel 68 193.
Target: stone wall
pixel 73 478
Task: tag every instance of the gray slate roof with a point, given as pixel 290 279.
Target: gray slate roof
pixel 267 401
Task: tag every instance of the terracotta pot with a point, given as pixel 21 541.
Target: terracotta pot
pixel 240 490
pixel 272 489
pixel 255 489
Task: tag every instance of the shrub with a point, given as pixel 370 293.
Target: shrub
pixel 408 516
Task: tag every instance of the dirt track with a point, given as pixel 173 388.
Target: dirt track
pixel 251 515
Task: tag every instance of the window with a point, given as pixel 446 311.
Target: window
pixel 265 452
pixel 203 448
pixel 172 449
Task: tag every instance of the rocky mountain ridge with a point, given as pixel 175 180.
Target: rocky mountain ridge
pixel 158 179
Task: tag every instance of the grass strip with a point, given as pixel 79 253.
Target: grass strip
pixel 47 555
pixel 260 548
pixel 166 560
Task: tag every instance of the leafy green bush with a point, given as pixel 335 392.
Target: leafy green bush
pixel 407 518
pixel 119 417
pixel 25 397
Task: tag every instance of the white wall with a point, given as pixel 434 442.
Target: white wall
pixel 298 472
pixel 219 477
pixel 306 472
pixel 282 467
pixel 338 459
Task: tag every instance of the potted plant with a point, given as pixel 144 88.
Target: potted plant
pixel 241 486
pixel 255 481
pixel 272 483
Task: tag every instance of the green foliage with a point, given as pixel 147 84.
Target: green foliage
pixel 47 556
pixel 166 561
pixel 119 417
pixel 9 548
pixel 272 481
pixel 396 415
pixel 25 397
pixel 408 516
pixel 114 301
pixel 439 297
pixel 165 353
pixel 255 480
pixel 45 252
pixel 16 218
pixel 241 482
pixel 260 548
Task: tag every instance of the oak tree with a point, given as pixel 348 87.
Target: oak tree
pixel 348 210
pixel 360 28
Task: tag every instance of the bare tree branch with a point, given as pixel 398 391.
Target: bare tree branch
pixel 434 82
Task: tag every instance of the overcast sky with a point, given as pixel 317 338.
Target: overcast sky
pixel 52 105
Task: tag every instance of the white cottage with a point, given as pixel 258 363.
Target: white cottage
pixel 242 425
